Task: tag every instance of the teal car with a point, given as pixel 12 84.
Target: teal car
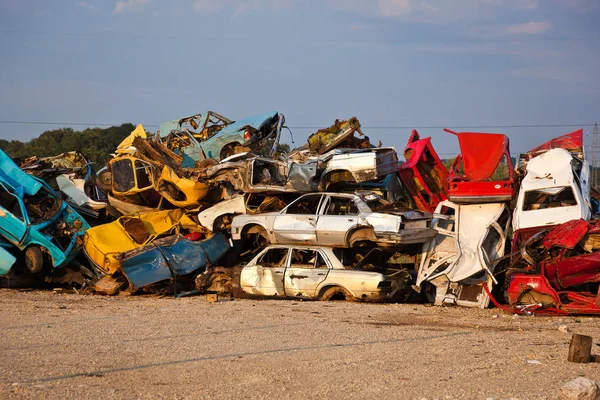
pixel 211 135
pixel 34 220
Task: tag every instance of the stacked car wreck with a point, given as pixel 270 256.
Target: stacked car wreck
pixel 209 204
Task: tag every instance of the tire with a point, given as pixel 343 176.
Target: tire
pixel 335 293
pixel 34 259
pixel 104 181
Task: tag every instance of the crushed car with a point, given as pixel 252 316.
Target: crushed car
pixel 337 219
pixel 250 174
pixel 423 174
pixel 478 176
pixel 35 221
pixel 321 273
pixel 560 273
pixel 211 136
pixel 72 175
pixel 470 242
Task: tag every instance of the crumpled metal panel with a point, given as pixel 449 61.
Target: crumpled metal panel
pixel 16 178
pixel 423 174
pixel 566 235
pixel 7 260
pixel 571 142
pixel 481 152
pixel 173 256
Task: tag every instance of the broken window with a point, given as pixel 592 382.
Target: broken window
pixel 122 175
pixel 305 205
pixel 341 206
pixel 307 259
pixel 214 123
pixel 273 258
pixel 142 175
pixel 549 198
pixel 10 203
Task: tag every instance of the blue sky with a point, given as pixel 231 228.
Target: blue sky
pixel 391 63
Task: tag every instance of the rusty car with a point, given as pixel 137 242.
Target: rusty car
pixel 324 273
pixel 212 136
pixel 338 219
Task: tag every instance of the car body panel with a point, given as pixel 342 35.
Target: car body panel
pixel 316 221
pixel 552 192
pixel 471 178
pixel 7 260
pixel 470 240
pixel 103 244
pixel 423 174
pixel 166 258
pixel 197 147
pixel 287 278
pixel 32 214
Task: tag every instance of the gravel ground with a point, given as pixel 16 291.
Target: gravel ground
pixel 59 345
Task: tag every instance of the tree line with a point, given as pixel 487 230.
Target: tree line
pixel 94 143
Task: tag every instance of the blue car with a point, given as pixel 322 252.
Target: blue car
pixel 36 221
pixel 210 135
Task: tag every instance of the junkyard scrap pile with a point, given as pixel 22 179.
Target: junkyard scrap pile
pixel 207 204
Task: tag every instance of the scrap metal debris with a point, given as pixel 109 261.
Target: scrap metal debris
pixel 211 205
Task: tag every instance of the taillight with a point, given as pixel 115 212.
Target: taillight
pixel 247 135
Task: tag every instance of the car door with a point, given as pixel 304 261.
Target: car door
pixel 265 277
pixel 306 270
pixel 338 215
pixel 297 222
pixel 13 223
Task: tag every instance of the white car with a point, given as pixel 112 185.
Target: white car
pixel 339 220
pixel 317 273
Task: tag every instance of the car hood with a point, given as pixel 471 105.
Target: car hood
pixel 15 177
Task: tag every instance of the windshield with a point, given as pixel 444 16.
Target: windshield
pixel 556 197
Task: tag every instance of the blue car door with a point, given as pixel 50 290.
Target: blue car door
pixel 13 225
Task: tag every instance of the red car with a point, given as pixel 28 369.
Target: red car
pixel 483 172
pixel 423 174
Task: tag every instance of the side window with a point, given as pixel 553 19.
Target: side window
pixel 304 205
pixel 274 258
pixel 307 259
pixel 10 203
pixel 122 174
pixel 142 175
pixel 341 206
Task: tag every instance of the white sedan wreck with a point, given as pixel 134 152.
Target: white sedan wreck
pixel 318 273
pixel 338 220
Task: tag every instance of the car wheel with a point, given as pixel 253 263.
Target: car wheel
pixel 104 181
pixel 34 259
pixel 335 293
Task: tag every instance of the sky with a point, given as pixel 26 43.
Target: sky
pixel 517 67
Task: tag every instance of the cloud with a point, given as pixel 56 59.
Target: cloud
pixel 580 5
pixel 129 5
pixel 86 5
pixel 529 28
pixel 238 6
pixel 394 8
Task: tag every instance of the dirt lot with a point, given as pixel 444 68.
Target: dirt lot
pixel 58 345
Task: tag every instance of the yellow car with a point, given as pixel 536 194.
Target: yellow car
pixel 102 244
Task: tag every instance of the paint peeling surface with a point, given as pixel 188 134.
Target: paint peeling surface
pixel 555 190
pixel 35 220
pixel 336 219
pixel 250 174
pixel 423 174
pixel 210 135
pixel 470 240
pixel 170 257
pixel 317 273
pixel 478 176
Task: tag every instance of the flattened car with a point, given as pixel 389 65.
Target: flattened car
pixel 34 220
pixel 337 219
pixel 318 273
